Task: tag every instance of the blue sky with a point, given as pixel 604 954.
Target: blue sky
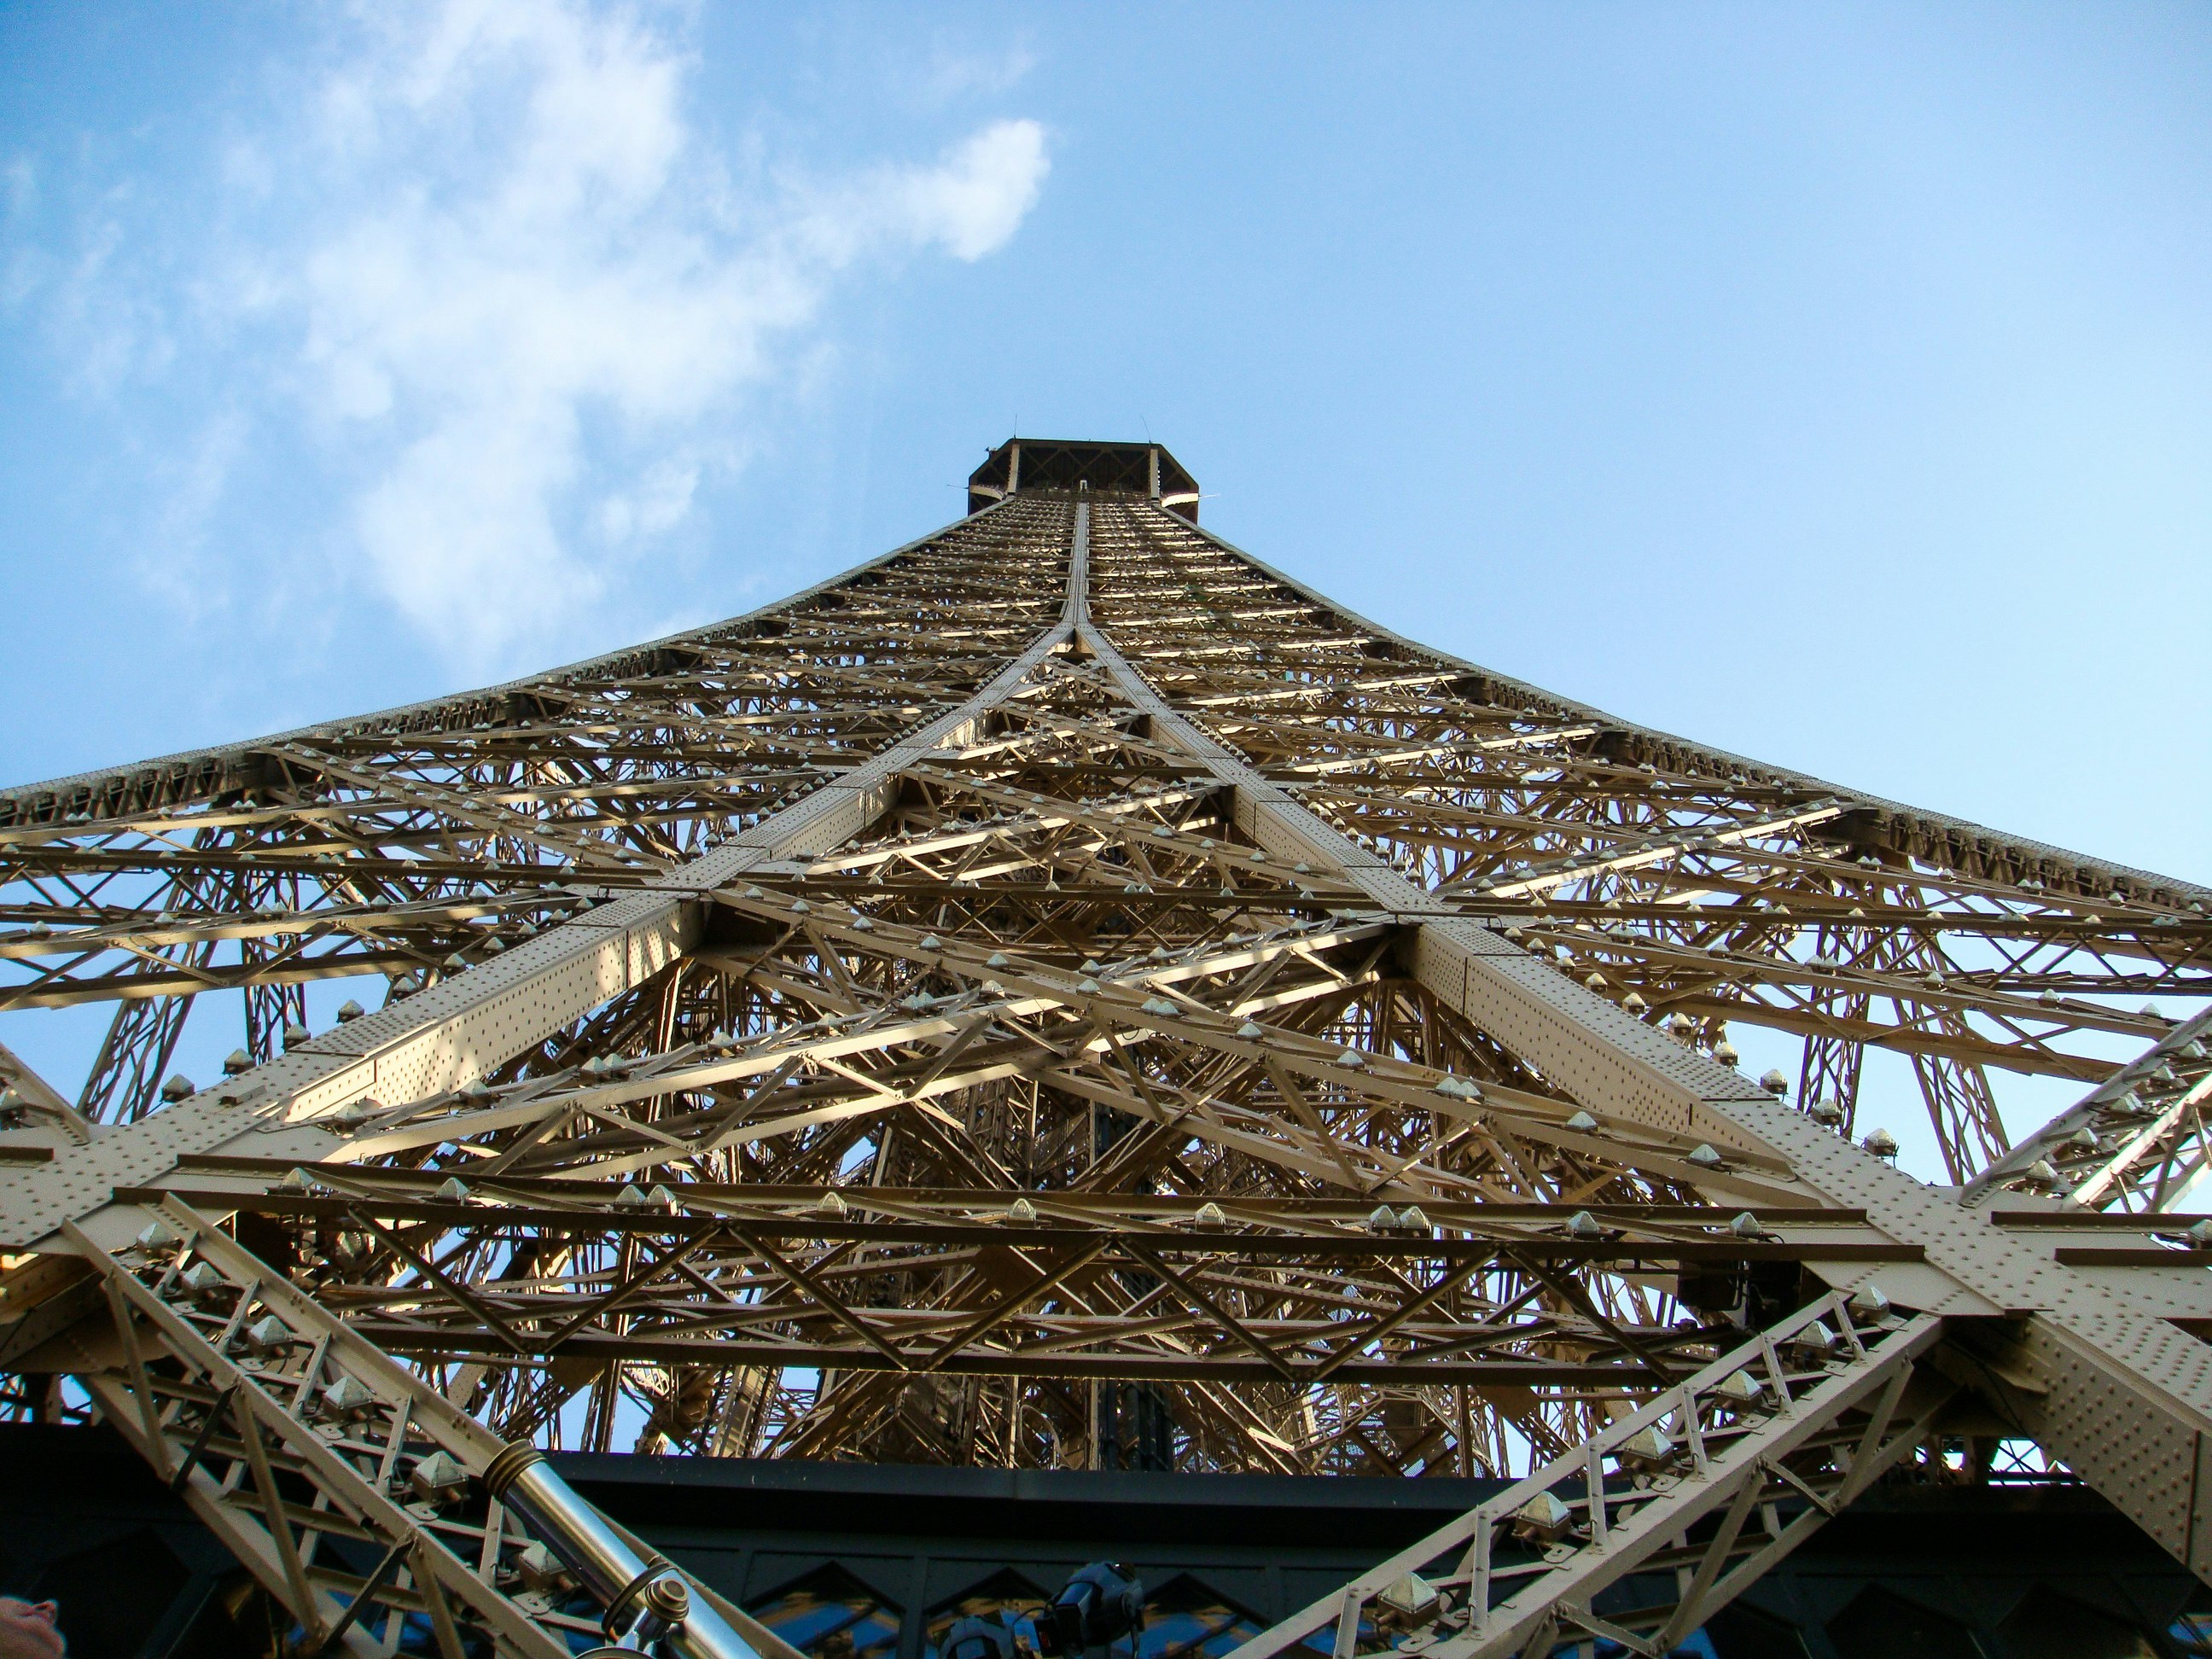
pixel 1833 384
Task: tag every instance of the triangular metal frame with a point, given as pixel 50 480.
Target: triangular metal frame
pixel 1062 962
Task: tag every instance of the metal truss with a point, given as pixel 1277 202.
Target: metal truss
pixel 356 1494
pixel 2134 1143
pixel 1064 994
pixel 415 842
pixel 1663 1515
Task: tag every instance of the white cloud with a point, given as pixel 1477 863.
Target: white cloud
pixel 536 244
pixel 975 200
pixel 660 502
pixel 22 176
pixel 502 283
pixel 191 481
pixel 949 76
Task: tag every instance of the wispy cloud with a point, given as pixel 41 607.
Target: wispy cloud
pixel 949 74
pixel 514 294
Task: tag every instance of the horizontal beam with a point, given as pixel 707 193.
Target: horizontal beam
pixel 706 1219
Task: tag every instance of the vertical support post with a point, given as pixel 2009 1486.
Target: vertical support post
pixel 442 1628
pixel 1594 1478
pixel 280 1526
pixel 150 1410
pixel 1478 1573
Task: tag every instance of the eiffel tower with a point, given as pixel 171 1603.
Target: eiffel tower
pixel 1065 994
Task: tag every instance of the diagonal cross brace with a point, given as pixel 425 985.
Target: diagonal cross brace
pixel 483 1016
pixel 1581 1528
pixel 2120 1394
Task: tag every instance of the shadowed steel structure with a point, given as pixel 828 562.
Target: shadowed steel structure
pixel 1064 994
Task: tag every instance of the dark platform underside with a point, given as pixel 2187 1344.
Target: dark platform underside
pixel 863 1559
pixel 1058 464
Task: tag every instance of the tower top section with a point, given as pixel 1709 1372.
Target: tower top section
pixel 1022 463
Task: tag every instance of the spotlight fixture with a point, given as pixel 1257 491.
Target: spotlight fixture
pixel 1102 1603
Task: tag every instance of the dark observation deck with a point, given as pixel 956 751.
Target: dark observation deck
pixel 876 1561
pixel 1022 463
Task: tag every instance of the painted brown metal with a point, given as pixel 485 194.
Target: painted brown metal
pixel 1064 955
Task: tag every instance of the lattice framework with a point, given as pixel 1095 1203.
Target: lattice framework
pixel 1065 994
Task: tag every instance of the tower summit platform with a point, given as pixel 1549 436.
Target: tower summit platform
pixel 1035 463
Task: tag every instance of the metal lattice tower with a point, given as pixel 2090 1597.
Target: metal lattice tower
pixel 1065 994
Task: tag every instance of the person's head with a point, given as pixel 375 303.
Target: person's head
pixel 28 1630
